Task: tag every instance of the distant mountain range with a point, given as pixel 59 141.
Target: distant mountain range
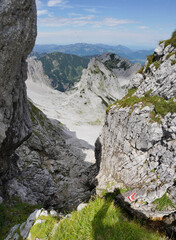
pixel 64 70
pixel 85 49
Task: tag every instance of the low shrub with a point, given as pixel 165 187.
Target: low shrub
pixel 163 203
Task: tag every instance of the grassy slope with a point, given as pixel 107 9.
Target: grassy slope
pixel 100 220
pixel 161 106
pixel 12 213
pixel 151 59
pixel 63 69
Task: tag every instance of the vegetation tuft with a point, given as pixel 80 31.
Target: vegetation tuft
pixel 128 95
pixel 36 113
pixel 173 62
pixel 141 70
pixel 151 58
pixel 170 54
pixel 161 105
pixel 12 213
pixel 150 61
pixel 163 203
pixel 157 64
pixel 171 41
pixel 99 220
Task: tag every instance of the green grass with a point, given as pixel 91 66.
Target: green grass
pixel 173 62
pixel 163 203
pixel 141 70
pixel 128 95
pixel 171 41
pixel 170 54
pixel 13 213
pixel 161 105
pixel 151 58
pixel 100 220
pixel 157 64
pixel 35 113
pixel 37 118
pixel 63 69
pixel 150 61
pixel 44 230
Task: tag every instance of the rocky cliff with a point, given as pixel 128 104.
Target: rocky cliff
pixel 121 67
pixel 49 171
pixel 37 166
pixel 53 166
pixel 136 151
pixel 18 33
pixel 36 73
pixel 81 109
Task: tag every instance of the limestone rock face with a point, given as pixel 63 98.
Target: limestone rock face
pixel 137 153
pixel 49 171
pixel 18 33
pixel 82 109
pixel 36 72
pixel 161 74
pixel 121 67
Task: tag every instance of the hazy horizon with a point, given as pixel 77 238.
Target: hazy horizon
pixel 133 48
pixel 135 24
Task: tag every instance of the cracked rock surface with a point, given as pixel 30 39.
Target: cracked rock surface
pixel 48 170
pixel 18 33
pixel 139 154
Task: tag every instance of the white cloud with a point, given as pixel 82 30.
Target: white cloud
pixel 101 36
pixel 59 3
pixel 111 22
pixel 75 14
pixel 143 27
pixel 59 22
pixel 42 12
pixel 91 10
pixel 81 21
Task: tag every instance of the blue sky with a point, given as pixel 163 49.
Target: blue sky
pixel 133 23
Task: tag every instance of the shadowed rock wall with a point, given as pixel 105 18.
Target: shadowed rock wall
pixel 18 34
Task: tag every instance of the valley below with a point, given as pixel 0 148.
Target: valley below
pixel 87 144
pixel 81 109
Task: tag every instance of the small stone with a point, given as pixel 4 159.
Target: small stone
pixel 44 213
pixel 81 206
pixel 60 215
pixel 12 233
pixel 53 213
pixel 39 221
pixel 26 226
pixel 1 200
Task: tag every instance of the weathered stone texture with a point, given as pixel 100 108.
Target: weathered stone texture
pixel 49 171
pixel 137 153
pixel 18 33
